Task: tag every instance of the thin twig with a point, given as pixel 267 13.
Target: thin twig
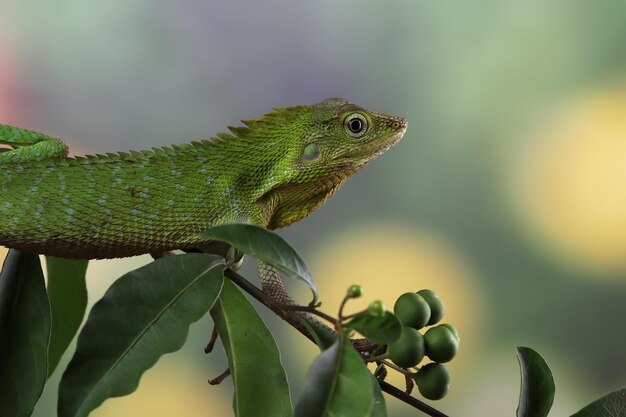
pixel 404 397
pixel 218 380
pixel 209 347
pixel 393 366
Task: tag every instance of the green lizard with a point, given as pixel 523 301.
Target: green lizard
pixel 272 172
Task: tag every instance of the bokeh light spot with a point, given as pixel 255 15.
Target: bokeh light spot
pixel 389 260
pixel 3 253
pixel 571 183
pixel 169 390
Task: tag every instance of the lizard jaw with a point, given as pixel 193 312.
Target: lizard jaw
pixel 371 151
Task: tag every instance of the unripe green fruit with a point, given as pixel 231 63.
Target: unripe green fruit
pixel 408 350
pixel 441 344
pixel 376 308
pixel 433 381
pixel 436 306
pixel 355 291
pixel 452 329
pixel 412 310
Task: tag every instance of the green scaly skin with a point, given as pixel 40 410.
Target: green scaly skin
pixel 273 171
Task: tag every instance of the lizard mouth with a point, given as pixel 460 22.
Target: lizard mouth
pixel 374 149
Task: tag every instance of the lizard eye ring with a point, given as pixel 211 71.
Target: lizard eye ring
pixel 311 152
pixel 355 125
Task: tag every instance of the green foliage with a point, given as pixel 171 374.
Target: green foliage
pixel 383 329
pixel 147 312
pixel 611 405
pixel 267 247
pixel 144 314
pixel 379 409
pixel 252 354
pixel 67 291
pixel 24 332
pixel 338 384
pixel 537 388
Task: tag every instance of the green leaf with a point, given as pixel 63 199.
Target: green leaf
pixel 338 384
pixel 143 315
pixel 322 335
pixel 24 332
pixel 386 329
pixel 265 246
pixel 261 387
pixel 611 405
pixel 537 388
pixel 378 402
pixel 67 291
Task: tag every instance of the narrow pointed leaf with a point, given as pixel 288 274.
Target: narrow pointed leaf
pixel 144 314
pixel 386 329
pixel 338 384
pixel 24 334
pixel 260 382
pixel 67 291
pixel 537 386
pixel 611 405
pixel 265 246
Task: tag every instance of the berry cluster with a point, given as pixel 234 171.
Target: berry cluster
pixel 440 343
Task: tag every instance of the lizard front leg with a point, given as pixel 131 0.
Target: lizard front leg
pixel 273 286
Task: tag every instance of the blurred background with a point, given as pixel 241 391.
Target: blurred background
pixel 507 195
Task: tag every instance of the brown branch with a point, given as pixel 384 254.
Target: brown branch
pixel 279 308
pixel 404 397
pixel 218 380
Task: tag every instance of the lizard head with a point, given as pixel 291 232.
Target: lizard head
pixel 328 142
pixel 343 137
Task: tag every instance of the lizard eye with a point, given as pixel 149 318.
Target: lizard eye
pixel 355 124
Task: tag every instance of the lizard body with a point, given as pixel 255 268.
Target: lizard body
pixel 273 171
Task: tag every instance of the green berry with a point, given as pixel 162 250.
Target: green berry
pixel 376 308
pixel 433 381
pixel 412 310
pixel 408 350
pixel 452 329
pixel 441 344
pixel 355 291
pixel 436 306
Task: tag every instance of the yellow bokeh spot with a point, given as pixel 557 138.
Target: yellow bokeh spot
pixel 571 182
pixel 170 390
pixel 3 253
pixel 388 260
